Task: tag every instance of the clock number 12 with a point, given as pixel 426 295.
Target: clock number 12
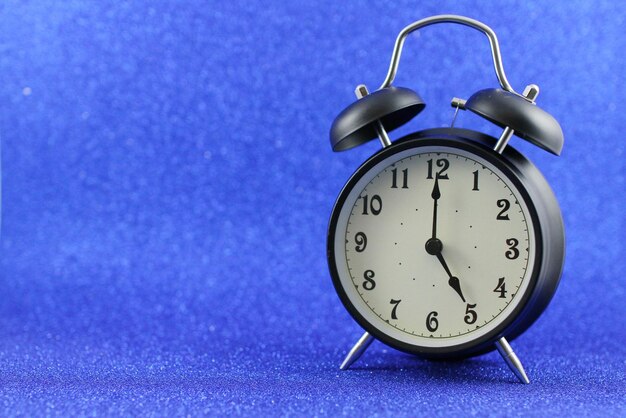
pixel 443 164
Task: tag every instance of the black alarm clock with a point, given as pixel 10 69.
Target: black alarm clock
pixel 446 243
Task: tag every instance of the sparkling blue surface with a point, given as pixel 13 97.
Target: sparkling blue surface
pixel 167 181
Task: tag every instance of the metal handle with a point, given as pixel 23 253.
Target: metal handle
pixel 462 20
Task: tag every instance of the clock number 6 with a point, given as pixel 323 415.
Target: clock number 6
pixel 471 316
pixel 375 204
pixel 431 321
pixel 512 252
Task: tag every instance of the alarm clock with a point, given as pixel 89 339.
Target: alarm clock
pixel 447 243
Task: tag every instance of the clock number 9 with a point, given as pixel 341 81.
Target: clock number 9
pixel 375 204
pixel 471 316
pixel 431 321
pixel 360 240
pixel 369 283
pixel 513 252
pixel 443 164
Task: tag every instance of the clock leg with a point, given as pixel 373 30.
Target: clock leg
pixel 356 351
pixel 511 359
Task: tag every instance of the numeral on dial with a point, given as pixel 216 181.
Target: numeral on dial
pixel 395 304
pixel 512 252
pixel 360 239
pixel 471 315
pixel 375 204
pixel 369 283
pixel 443 164
pixel 505 205
pixel 431 321
pixel 501 288
pixel 475 188
pixel 394 178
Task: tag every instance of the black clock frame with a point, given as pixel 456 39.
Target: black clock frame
pixel 545 214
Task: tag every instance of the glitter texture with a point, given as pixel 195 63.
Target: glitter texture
pixel 167 182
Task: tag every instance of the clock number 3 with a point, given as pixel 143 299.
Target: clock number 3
pixel 512 252
pixel 375 204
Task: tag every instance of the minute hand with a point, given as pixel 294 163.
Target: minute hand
pixel 436 194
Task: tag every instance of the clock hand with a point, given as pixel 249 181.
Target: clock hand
pixel 436 194
pixel 434 245
pixel 453 281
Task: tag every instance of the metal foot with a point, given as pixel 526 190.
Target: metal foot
pixel 511 360
pixel 356 351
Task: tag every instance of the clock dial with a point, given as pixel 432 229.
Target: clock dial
pixel 435 246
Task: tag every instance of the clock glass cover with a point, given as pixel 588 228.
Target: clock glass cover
pixel 460 289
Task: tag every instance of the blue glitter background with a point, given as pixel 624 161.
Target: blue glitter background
pixel 167 182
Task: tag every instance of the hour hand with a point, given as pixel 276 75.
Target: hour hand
pixel 453 281
pixel 456 285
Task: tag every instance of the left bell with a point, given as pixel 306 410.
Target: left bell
pixel 392 106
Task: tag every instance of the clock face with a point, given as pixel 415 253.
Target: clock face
pixel 434 247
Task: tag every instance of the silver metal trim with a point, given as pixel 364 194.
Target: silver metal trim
pixel 357 350
pixel 509 356
pixel 457 104
pixel 530 93
pixel 462 20
pixel 503 140
pixel 360 92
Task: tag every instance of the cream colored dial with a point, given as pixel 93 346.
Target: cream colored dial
pixel 486 234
